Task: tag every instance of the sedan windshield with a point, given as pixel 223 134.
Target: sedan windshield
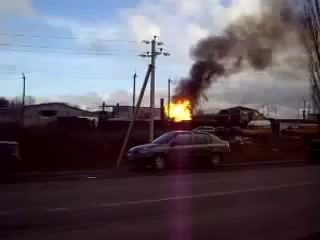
pixel 165 138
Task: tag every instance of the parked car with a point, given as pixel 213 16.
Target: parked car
pixel 179 149
pixel 301 130
pixel 207 129
pixel 222 130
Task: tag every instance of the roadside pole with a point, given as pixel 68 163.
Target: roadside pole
pixel 153 55
pixel 152 88
pixel 134 92
pixel 169 97
pixel 23 99
pixel 136 110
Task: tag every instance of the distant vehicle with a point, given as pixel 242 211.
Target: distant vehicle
pixel 179 149
pixel 301 130
pixel 259 127
pixel 207 129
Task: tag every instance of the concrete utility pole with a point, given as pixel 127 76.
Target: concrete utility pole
pixel 103 110
pixel 134 92
pixel 153 55
pixel 169 97
pixel 152 87
pixel 125 143
pixel 304 108
pixel 23 98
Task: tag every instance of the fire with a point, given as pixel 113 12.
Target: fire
pixel 180 110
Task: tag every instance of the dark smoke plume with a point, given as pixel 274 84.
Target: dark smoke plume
pixel 251 41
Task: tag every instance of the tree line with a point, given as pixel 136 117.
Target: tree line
pixel 15 102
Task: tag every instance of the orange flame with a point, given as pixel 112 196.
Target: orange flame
pixel 180 110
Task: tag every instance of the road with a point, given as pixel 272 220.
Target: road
pixel 274 203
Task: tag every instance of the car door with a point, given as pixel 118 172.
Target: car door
pixel 180 150
pixel 200 147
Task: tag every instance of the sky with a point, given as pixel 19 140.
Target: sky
pixel 85 51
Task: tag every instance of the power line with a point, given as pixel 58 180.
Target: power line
pixel 154 52
pixel 68 76
pixel 44 49
pixel 65 38
pixel 57 52
pixel 62 48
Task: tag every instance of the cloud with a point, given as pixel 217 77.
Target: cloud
pixel 138 22
pixel 181 24
pixel 21 8
pixel 16 8
pixel 94 36
pixel 254 89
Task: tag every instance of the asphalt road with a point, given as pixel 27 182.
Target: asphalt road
pixel 275 203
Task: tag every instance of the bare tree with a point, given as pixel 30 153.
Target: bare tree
pixel 311 37
pixel 17 101
pixel 4 103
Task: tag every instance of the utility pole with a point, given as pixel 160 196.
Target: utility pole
pixel 262 108
pixel 268 110
pixel 169 97
pixel 152 87
pixel 125 143
pixel 103 110
pixel 23 98
pixel 304 108
pixel 134 92
pixel 153 55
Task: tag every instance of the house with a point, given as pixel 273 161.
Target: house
pixel 239 115
pixel 126 113
pixel 42 114
pixel 9 115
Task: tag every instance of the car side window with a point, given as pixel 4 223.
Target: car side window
pixel 182 140
pixel 214 139
pixel 200 139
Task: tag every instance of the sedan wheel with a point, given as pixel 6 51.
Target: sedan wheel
pixel 215 160
pixel 159 163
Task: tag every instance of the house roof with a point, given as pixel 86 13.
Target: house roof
pixel 241 108
pixel 56 103
pixel 129 107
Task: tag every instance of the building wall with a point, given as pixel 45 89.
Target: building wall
pixel 238 115
pixel 43 114
pixel 9 116
pixel 125 113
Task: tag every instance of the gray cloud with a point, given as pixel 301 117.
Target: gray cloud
pixel 16 7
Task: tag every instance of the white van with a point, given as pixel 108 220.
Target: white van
pixel 259 127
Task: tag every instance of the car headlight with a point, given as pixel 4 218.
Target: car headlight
pixel 143 150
